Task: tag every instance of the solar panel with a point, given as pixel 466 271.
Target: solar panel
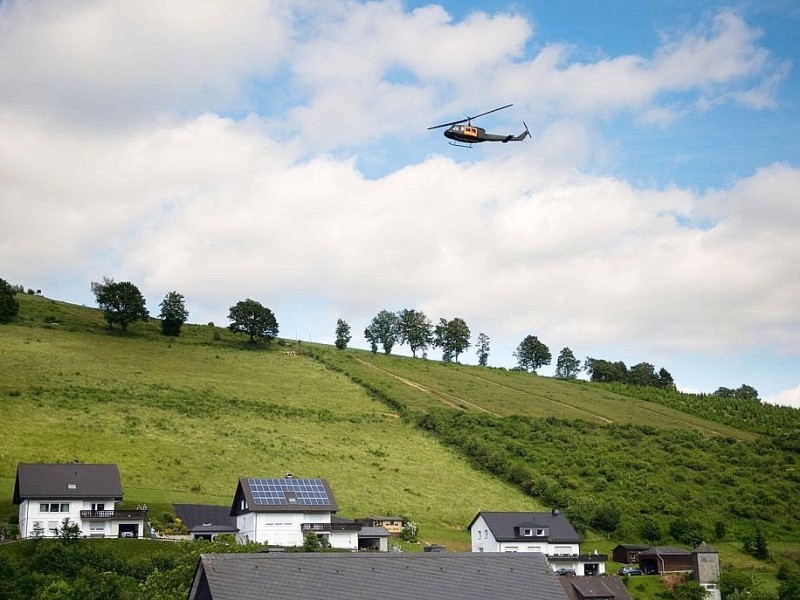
pixel 280 492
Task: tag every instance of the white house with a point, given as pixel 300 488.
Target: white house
pixel 547 532
pixel 85 494
pixel 281 511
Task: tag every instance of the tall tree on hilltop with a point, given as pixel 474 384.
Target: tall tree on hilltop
pixel 567 366
pixel 483 349
pixel 342 334
pixel 9 306
pixel 173 314
pixel 383 330
pixel 254 319
pixel 415 329
pixel 452 337
pixel 122 303
pixel 531 354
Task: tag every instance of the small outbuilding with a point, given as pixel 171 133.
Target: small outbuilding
pixel 628 554
pixel 665 559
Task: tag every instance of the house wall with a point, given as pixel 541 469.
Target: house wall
pixel 279 528
pixel 344 540
pixel 30 514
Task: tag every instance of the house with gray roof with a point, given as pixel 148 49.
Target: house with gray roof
pixel 282 511
pixel 84 494
pixel 548 533
pixel 392 576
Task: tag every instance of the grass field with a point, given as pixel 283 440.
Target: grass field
pixel 185 418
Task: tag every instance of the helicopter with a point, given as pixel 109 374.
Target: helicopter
pixel 469 134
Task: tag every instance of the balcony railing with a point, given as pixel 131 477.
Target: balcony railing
pixel 577 558
pixel 114 515
pixel 321 527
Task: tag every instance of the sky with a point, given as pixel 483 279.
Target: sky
pixel 279 150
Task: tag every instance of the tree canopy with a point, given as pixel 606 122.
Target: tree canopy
pixel 531 354
pixel 254 319
pixel 452 337
pixel 342 334
pixel 483 349
pixel 383 330
pixel 567 366
pixel 415 329
pixel 9 306
pixel 121 302
pixel 173 314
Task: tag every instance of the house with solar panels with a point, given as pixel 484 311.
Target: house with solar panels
pixel 281 511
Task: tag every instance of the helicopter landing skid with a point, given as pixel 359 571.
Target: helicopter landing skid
pixel 460 145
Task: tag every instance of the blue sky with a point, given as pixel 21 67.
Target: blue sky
pixel 279 150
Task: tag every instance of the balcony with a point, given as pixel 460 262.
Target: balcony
pixel 114 515
pixel 582 558
pixel 328 527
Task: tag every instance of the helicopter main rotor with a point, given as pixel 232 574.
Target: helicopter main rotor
pixel 469 119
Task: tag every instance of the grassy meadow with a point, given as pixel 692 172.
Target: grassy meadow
pixel 185 418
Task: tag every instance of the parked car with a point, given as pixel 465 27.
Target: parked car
pixel 565 571
pixel 630 571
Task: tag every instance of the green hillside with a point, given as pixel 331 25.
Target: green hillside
pixel 185 417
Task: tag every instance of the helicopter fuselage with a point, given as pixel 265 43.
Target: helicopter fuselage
pixel 469 134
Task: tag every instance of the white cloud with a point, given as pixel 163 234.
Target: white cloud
pixel 789 397
pixel 274 206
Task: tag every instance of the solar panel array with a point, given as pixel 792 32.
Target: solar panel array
pixel 278 492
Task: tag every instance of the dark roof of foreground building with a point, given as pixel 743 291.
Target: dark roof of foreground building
pixel 665 551
pixel 378 576
pixel 505 526
pixel 594 588
pixel 283 494
pixel 205 518
pixel 66 481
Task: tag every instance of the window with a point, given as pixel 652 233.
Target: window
pixel 65 507
pixel 511 549
pixel 479 534
pixel 541 532
pixel 99 506
pixel 44 507
pixel 529 532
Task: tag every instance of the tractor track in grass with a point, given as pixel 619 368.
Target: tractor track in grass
pixel 443 397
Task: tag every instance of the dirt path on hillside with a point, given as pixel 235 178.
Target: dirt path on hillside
pixel 447 399
pixel 527 393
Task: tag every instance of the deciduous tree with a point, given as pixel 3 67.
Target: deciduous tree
pixel 483 349
pixel 452 337
pixel 567 366
pixel 173 314
pixel 415 329
pixel 342 334
pixel 383 329
pixel 122 303
pixel 531 354
pixel 9 306
pixel 254 319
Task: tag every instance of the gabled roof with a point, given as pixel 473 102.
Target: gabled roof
pixel 204 518
pixel 65 481
pixel 283 494
pixel 367 576
pixel 505 525
pixel 636 547
pixel 580 588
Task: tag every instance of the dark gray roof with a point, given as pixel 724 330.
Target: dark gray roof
pixel 578 588
pixel 373 532
pixel 284 495
pixel 632 546
pixel 70 480
pixel 378 576
pixel 205 518
pixel 504 525
pixel 665 551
